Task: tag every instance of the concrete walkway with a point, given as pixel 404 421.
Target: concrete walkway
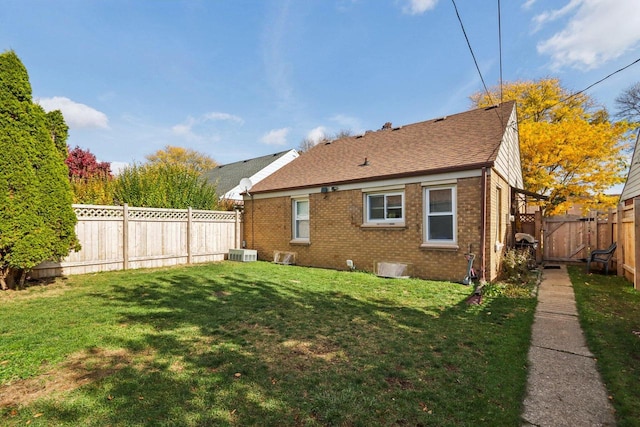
pixel 564 387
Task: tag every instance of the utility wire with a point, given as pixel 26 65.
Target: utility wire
pixel 598 82
pixel 471 50
pixel 500 48
pixel 590 86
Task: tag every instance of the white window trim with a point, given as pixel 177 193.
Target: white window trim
pixel 295 219
pixel 441 243
pixel 384 222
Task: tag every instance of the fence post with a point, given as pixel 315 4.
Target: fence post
pixel 636 239
pixel 610 237
pixel 189 231
pixel 620 240
pixel 538 235
pixel 125 236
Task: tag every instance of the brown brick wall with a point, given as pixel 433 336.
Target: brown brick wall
pixel 336 233
pixel 496 235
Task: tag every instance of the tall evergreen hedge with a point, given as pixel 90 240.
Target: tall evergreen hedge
pixel 164 185
pixel 36 217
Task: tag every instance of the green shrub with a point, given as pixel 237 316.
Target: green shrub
pixel 164 185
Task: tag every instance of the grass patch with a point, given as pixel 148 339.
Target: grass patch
pixel 260 344
pixel 609 310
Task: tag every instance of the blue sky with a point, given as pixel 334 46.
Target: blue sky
pixel 238 79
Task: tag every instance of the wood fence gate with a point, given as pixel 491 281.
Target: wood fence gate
pixel 572 238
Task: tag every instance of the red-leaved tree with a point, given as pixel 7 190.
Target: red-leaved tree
pixel 84 165
pixel 91 180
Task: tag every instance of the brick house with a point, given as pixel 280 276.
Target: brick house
pixel 423 194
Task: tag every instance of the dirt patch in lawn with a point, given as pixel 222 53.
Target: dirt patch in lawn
pixel 33 290
pixel 78 370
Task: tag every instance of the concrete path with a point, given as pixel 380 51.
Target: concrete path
pixel 564 387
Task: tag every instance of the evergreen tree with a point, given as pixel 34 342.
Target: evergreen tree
pixel 59 130
pixel 164 185
pixel 36 217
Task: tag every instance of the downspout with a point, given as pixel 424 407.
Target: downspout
pixel 253 234
pixel 483 232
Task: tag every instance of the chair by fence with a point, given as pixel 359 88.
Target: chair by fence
pixel 603 256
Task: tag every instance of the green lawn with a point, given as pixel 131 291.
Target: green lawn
pixel 609 311
pixel 260 344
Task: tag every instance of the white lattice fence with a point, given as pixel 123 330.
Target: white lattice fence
pixel 122 237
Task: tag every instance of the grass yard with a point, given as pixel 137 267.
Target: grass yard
pixel 609 311
pixel 260 344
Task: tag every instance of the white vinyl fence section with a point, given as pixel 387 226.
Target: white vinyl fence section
pixel 123 237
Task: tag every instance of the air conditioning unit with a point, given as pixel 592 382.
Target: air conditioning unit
pixel 243 255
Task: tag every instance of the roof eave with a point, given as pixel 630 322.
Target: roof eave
pixel 474 166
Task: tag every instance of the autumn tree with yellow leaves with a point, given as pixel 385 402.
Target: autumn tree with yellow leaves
pixel 569 148
pixel 172 155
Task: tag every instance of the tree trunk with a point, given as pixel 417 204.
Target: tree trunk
pixel 12 278
pixel 23 278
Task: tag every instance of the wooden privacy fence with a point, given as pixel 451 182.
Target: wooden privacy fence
pixel 123 237
pixel 626 232
pixel 572 238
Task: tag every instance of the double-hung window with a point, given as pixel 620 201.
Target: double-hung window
pixel 440 214
pixel 301 219
pixel 385 207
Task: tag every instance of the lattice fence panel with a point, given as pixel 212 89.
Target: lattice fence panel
pixel 98 212
pixel 147 237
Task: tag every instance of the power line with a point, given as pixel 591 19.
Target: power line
pixel 598 82
pixel 573 95
pixel 500 47
pixel 471 50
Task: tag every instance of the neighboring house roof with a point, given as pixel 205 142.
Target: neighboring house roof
pixel 227 177
pixel 632 185
pixel 464 141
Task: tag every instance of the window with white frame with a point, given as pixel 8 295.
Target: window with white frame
pixel 440 214
pixel 385 207
pixel 301 219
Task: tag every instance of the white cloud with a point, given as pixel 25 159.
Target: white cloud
pixel 186 128
pixel 117 167
pixel 76 115
pixel 599 31
pixel 317 134
pixel 553 15
pixel 348 123
pixel 275 52
pixel 223 117
pixel 528 3
pixel 417 7
pixel 275 137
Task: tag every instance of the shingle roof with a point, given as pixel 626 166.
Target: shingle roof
pixel 228 176
pixel 461 141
